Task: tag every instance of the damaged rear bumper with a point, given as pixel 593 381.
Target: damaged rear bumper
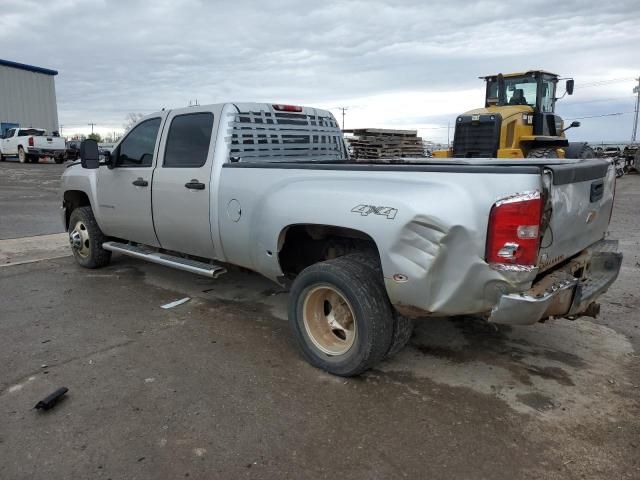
pixel 569 291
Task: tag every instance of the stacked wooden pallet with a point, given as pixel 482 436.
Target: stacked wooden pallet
pixel 377 143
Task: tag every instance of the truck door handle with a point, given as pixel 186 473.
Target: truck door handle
pixel 194 185
pixel 140 182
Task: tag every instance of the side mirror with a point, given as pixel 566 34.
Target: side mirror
pixel 569 86
pixel 575 124
pixel 89 155
pixel 111 158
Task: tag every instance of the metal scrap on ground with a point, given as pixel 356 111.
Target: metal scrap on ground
pixel 176 303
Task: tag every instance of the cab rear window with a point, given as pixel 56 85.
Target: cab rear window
pixel 30 131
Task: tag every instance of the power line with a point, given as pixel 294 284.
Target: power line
pixel 599 116
pixel 569 103
pixel 435 128
pixel 599 83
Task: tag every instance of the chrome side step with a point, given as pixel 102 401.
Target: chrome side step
pixel 150 255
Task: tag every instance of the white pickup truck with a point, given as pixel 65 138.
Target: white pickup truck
pixel 363 247
pixel 31 144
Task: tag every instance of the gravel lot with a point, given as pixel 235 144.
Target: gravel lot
pixel 214 388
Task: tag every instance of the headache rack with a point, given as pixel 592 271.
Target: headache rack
pixel 273 136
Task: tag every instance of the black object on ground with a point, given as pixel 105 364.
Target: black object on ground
pixel 50 400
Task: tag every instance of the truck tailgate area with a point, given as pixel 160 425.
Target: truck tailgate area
pixel 579 200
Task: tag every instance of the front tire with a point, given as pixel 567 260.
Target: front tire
pixel 579 150
pixel 542 153
pixel 86 239
pixel 341 317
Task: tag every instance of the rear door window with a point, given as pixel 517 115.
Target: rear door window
pixel 188 140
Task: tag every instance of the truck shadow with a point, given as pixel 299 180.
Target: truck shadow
pixel 554 367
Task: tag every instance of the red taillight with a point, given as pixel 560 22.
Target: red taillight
pixel 31 141
pixel 287 108
pixel 513 236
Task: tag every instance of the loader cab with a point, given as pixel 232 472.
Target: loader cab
pixel 534 89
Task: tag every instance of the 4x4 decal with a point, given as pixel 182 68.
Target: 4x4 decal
pixel 365 210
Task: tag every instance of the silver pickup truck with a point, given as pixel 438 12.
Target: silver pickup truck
pixel 363 247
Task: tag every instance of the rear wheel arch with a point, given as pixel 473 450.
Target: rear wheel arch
pixel 302 245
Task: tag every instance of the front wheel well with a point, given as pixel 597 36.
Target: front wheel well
pixel 73 199
pixel 303 245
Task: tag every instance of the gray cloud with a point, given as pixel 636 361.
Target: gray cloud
pixel 116 57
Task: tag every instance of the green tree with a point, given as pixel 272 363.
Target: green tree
pixel 95 136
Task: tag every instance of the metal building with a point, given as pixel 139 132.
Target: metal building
pixel 27 97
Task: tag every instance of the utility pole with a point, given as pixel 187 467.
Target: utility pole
pixel 636 90
pixel 448 130
pixel 92 124
pixel 343 110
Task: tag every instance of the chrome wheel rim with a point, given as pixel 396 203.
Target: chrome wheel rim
pixel 329 320
pixel 21 156
pixel 79 239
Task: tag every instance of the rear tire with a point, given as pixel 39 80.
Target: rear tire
pixel 402 332
pixel 86 239
pixel 402 326
pixel 22 156
pixel 341 317
pixel 59 160
pixel 579 150
pixel 1 157
pixel 33 159
pixel 542 153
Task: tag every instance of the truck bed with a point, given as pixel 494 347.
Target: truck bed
pixel 439 232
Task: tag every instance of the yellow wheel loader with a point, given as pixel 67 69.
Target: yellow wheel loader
pixel 518 121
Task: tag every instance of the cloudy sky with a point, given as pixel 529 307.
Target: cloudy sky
pixel 398 64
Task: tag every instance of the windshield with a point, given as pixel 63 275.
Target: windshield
pixel 517 91
pixel 521 91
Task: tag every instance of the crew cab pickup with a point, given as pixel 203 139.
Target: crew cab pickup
pixel 32 144
pixel 364 248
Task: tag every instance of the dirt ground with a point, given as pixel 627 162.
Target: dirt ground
pixel 215 388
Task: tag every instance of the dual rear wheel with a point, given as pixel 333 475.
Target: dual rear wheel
pixel 342 318
pixel 24 157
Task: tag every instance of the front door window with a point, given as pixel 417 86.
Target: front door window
pixel 136 150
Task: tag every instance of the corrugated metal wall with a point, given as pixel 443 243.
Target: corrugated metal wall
pixel 28 98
